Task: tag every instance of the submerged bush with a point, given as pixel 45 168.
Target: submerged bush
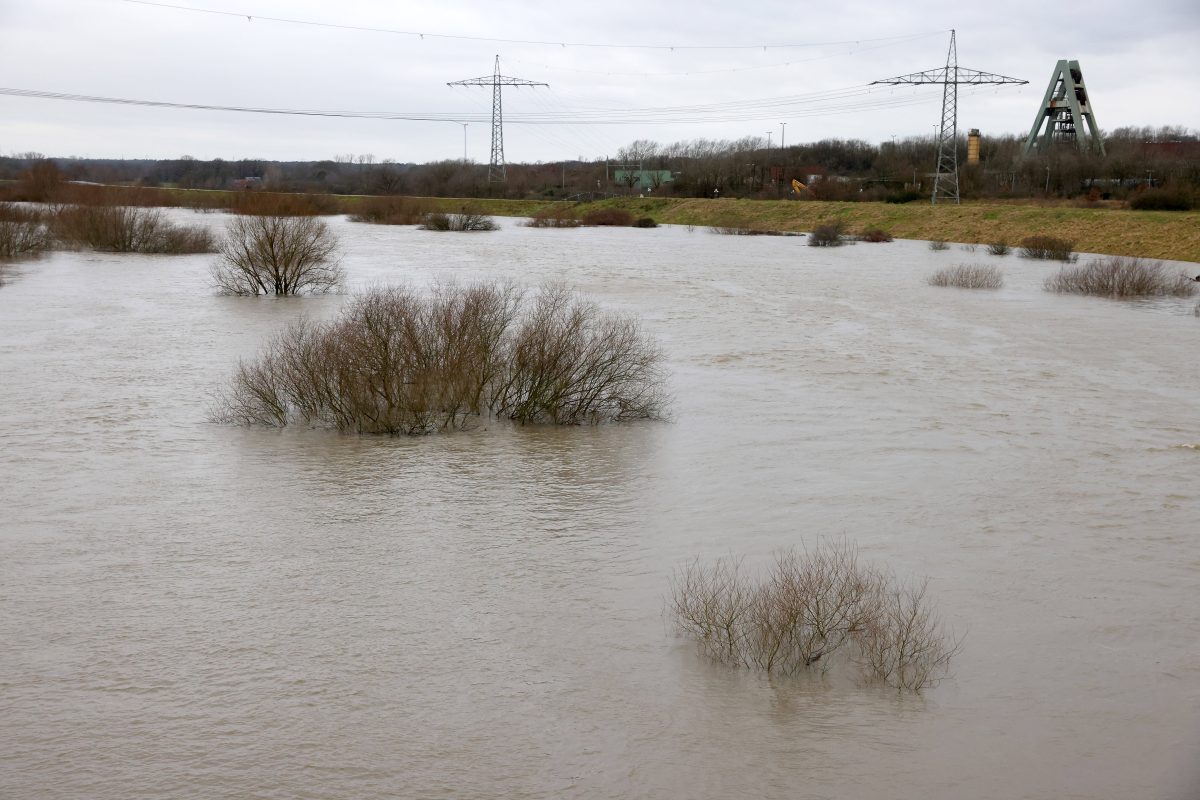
pixel 967 276
pixel 732 230
pixel 553 218
pixel 998 248
pixel 875 235
pixel 938 244
pixel 1117 276
pixel 463 221
pixel 396 362
pixel 1047 248
pixel 616 217
pixel 810 608
pixel 390 211
pixel 122 229
pixel 277 255
pixel 283 204
pixel 827 235
pixel 645 222
pixel 22 232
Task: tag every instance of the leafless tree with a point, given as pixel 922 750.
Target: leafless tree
pixel 279 255
pixel 466 220
pixel 570 363
pixel 1048 248
pixel 967 276
pixel 123 229
pixel 903 642
pixel 22 231
pixel 1118 277
pixel 398 362
pixel 806 609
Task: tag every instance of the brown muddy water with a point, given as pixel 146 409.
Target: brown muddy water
pixel 193 610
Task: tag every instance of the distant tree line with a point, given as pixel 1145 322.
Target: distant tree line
pixel 1165 160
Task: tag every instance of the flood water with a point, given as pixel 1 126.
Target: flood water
pixel 195 610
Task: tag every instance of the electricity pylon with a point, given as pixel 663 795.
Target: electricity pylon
pixel 496 170
pixel 1065 110
pixel 945 179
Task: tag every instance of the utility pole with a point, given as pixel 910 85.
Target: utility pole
pixel 782 131
pixel 769 157
pixel 496 170
pixel 945 178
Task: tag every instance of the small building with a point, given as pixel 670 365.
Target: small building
pixel 642 179
pixel 248 183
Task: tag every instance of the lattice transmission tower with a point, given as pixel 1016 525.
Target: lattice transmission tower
pixel 496 170
pixel 1065 111
pixel 945 179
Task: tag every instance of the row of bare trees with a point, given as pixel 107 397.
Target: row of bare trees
pixel 698 167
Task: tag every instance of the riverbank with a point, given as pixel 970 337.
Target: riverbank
pixel 1115 231
pixel 1147 234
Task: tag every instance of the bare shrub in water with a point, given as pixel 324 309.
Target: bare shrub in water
pixel 22 232
pixel 617 217
pixel 390 211
pixel 828 235
pixel 570 363
pixel 734 230
pixel 875 235
pixel 463 221
pixel 998 248
pixel 396 362
pixel 553 218
pixel 903 642
pixel 123 229
pixel 938 244
pixel 1117 276
pixel 967 276
pixel 809 606
pixel 1048 248
pixel 277 255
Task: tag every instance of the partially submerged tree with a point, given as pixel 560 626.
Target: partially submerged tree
pixel 22 232
pixel 125 229
pixel 396 362
pixel 281 255
pixel 809 607
pixel 967 276
pixel 1117 277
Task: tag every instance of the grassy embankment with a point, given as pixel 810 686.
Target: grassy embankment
pixel 1147 234
pixel 1113 231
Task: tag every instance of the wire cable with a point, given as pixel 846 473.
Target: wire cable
pixel 561 44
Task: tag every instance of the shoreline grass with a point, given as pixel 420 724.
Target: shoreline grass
pixel 1170 235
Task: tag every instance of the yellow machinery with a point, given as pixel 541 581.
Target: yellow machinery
pixel 797 186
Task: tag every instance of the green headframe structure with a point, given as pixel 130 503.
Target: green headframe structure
pixel 1066 110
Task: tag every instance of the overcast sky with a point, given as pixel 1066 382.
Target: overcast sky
pixel 1138 60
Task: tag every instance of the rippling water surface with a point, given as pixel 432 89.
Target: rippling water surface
pixel 192 610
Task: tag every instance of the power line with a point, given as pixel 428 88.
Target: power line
pixel 950 78
pixel 459 37
pixel 737 111
pixel 726 70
